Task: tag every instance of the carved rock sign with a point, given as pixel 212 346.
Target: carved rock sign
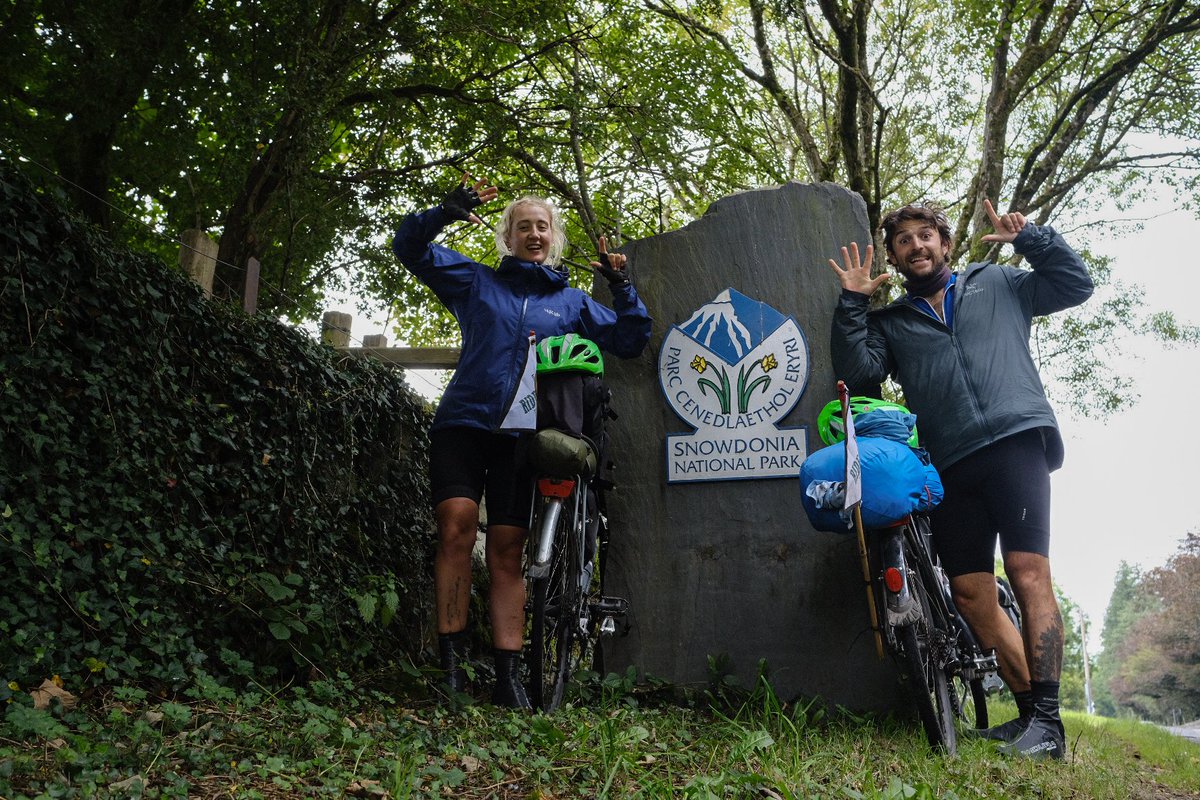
pixel 733 371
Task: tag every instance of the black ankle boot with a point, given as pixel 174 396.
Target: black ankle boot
pixel 1007 731
pixel 509 691
pixel 1043 736
pixel 452 653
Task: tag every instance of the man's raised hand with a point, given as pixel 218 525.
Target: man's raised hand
pixel 1006 226
pixel 856 276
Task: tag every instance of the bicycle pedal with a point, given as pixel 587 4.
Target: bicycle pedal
pixel 610 606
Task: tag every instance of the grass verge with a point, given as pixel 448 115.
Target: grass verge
pixel 335 739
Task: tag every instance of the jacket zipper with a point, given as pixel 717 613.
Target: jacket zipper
pixel 515 377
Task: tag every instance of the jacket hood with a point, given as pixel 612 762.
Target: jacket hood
pixel 512 268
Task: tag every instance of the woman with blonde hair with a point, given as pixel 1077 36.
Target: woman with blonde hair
pixel 473 438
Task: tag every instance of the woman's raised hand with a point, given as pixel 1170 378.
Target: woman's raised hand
pixel 462 200
pixel 611 265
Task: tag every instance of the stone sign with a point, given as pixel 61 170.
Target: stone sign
pixel 710 543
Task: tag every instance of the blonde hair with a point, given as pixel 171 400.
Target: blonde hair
pixel 558 236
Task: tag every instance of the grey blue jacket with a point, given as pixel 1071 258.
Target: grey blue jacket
pixel 976 383
pixel 497 309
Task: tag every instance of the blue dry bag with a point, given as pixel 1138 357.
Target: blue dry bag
pixel 895 484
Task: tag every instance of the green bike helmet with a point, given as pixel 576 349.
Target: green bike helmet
pixel 829 421
pixel 569 353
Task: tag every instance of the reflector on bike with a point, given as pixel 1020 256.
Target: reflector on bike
pixel 555 487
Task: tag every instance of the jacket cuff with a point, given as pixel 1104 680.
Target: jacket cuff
pixel 624 290
pixel 1033 238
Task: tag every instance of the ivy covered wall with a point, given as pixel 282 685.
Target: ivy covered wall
pixel 185 488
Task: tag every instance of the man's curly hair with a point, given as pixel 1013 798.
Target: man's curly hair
pixel 924 212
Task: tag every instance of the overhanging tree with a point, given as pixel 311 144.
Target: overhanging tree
pixel 300 132
pixel 1157 674
pixel 1046 107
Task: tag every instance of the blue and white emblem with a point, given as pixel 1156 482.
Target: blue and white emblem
pixel 733 371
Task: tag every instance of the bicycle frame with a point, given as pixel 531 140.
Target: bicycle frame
pixel 568 612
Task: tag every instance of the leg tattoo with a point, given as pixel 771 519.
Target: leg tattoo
pixel 1048 651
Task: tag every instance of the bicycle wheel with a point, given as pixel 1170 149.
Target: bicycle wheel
pixel 557 644
pixel 924 643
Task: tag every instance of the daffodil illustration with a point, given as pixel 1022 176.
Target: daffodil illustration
pixel 700 364
pixel 745 390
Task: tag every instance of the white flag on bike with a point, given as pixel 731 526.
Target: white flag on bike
pixel 522 412
pixel 853 465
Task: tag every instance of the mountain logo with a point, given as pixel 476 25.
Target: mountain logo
pixel 733 371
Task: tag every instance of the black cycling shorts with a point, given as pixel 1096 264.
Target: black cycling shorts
pixel 999 491
pixel 474 463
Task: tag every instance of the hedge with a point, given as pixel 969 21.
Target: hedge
pixel 185 489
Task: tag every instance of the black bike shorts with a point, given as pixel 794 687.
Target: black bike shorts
pixel 999 491
pixel 474 463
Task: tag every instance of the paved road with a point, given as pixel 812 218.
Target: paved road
pixel 1189 732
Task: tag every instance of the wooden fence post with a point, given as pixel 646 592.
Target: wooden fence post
pixel 198 257
pixel 250 294
pixel 374 340
pixel 335 328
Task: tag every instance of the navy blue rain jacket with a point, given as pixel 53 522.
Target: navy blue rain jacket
pixel 496 310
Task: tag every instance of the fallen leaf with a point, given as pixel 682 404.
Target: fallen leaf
pixel 366 788
pixel 153 717
pixel 470 763
pixel 128 783
pixel 47 692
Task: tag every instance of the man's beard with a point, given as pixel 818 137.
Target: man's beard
pixel 928 284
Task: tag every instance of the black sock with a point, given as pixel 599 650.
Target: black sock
pixel 1045 701
pixel 1044 691
pixel 1024 703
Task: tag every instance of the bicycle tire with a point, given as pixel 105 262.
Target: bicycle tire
pixel 922 643
pixel 968 697
pixel 547 621
pixel 558 644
